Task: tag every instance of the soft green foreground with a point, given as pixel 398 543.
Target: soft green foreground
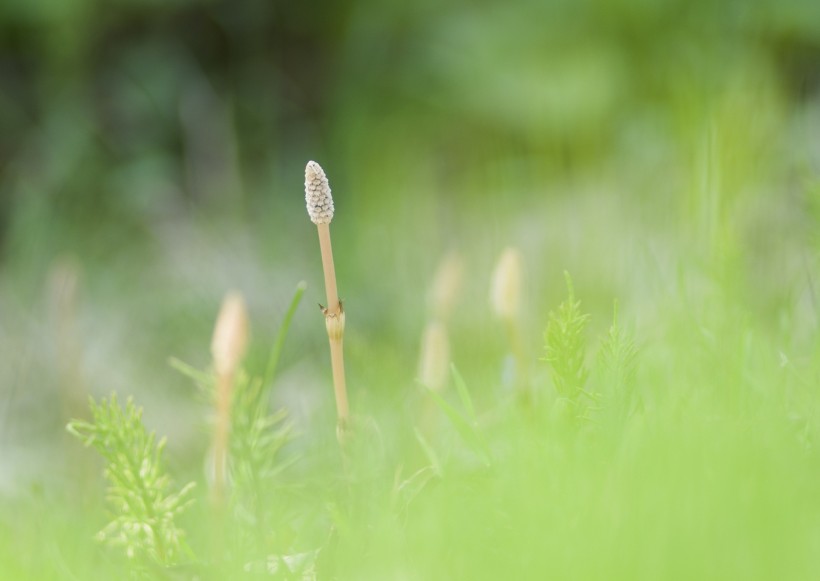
pixel 711 474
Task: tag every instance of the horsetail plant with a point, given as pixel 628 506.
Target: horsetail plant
pixel 618 362
pixel 228 345
pixel 434 352
pixel 140 492
pixel 434 361
pixel 248 436
pixel 565 351
pixel 505 299
pixel 434 358
pixel 320 209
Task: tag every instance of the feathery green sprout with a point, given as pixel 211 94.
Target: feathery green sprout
pixel 565 349
pixel 143 500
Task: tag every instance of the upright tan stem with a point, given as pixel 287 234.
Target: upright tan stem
pixel 228 346
pixel 333 306
pixel 335 332
pixel 335 324
pixel 505 298
pixel 221 435
pixel 319 203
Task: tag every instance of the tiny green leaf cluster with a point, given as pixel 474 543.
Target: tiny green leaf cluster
pixel 140 492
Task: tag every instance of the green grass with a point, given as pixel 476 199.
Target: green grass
pixel 693 458
pixel 664 154
pixel 671 436
pixel 671 432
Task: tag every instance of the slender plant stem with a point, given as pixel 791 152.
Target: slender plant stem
pixel 276 351
pixel 519 352
pixel 320 209
pixel 333 306
pixel 221 434
pixel 335 324
pixel 338 363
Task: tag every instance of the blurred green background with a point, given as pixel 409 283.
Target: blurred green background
pixel 152 154
pixel 152 157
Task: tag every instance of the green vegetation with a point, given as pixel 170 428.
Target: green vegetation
pixel 145 511
pixel 566 350
pixel 653 416
pixel 710 475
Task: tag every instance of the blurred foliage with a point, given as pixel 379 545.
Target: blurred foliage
pixel 159 146
pixel 120 113
pixel 664 153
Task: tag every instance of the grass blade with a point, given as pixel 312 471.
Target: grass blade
pixel 463 393
pixel 430 453
pixel 200 377
pixel 465 429
pixel 276 350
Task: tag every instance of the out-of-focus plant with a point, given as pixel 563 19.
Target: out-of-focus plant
pixel 506 301
pixel 565 351
pixel 618 361
pixel 144 502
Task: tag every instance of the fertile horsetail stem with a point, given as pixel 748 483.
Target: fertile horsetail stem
pixel 228 345
pixel 320 209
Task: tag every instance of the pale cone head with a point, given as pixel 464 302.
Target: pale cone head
pixel 505 290
pixel 230 338
pixel 317 194
pixel 434 361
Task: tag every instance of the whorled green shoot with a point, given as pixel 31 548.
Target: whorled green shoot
pixel 257 438
pixel 144 503
pixel 618 361
pixel 565 347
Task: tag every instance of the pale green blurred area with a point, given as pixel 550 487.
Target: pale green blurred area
pixel 152 155
pixel 152 158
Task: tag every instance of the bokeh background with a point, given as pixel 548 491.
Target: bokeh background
pixel 152 157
